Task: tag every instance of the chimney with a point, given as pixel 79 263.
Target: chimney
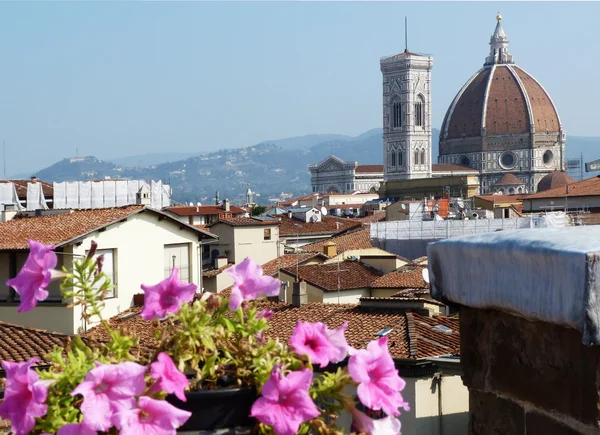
pixel 34 178
pixel 330 249
pixel 226 205
pixel 220 261
pixel 299 295
pixel 315 200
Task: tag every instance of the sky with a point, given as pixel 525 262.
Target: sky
pixel 114 79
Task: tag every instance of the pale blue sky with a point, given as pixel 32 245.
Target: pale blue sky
pixel 116 79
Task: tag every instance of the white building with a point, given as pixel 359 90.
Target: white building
pixel 337 176
pixel 140 246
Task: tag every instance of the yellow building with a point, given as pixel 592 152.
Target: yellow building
pixel 464 186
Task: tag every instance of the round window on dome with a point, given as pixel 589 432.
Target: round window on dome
pixel 508 160
pixel 548 157
pixel 464 161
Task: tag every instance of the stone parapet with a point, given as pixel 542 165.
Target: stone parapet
pixel 529 324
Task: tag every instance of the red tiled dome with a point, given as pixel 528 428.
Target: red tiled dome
pixel 553 180
pixel 509 180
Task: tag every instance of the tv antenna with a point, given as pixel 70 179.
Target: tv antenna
pixel 405 34
pixel 4 157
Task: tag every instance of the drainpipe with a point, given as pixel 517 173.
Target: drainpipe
pixel 200 246
pixel 437 378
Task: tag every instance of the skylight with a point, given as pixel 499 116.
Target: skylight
pixel 442 328
pixel 383 332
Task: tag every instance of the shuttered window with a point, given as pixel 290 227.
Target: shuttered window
pixel 178 256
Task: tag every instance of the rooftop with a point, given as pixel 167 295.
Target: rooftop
pixel 272 267
pixel 65 228
pixel 20 343
pixel 360 239
pixel 202 210
pixel 21 187
pixel 369 169
pixel 246 222
pixel 327 225
pixel 352 275
pixel 588 187
pixel 451 167
pixel 409 276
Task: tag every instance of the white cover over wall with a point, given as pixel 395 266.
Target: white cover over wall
pixel 35 197
pixel 8 195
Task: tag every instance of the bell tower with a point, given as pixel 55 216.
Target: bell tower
pixel 407 115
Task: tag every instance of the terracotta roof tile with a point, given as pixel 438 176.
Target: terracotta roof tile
pixel 272 267
pixel 209 272
pixel 291 201
pixel 450 167
pixel 554 180
pixel 501 198
pixel 407 276
pixel 360 239
pixel 20 343
pixel 246 222
pixel 328 225
pixel 353 275
pixel 369 168
pixel 588 187
pixel 506 111
pixel 509 179
pixel 203 210
pixel 544 113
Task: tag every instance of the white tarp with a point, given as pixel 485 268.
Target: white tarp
pixel 121 193
pixel 166 196
pixel 8 195
pixel 35 197
pixel 155 195
pixel 132 189
pixel 110 193
pixel 85 194
pixel 59 195
pixel 72 194
pixel 97 194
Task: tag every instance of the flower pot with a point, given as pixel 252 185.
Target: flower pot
pixel 217 409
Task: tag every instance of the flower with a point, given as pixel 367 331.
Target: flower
pixel 156 417
pixel 166 296
pixel 37 272
pixel 76 429
pixel 379 382
pixel 384 426
pixel 265 314
pixel 285 403
pixel 169 378
pixel 250 283
pixel 24 396
pixel 322 345
pixel 109 388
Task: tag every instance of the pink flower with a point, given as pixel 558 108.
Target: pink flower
pixel 156 417
pixel 107 389
pixel 166 296
pixel 265 314
pixel 364 424
pixel 76 429
pixel 322 345
pixel 379 382
pixel 37 272
pixel 285 403
pixel 169 378
pixel 250 283
pixel 24 396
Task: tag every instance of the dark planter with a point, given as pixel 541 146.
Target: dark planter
pixel 217 409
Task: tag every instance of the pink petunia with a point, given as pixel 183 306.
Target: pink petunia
pixel 285 403
pixel 265 314
pixel 76 429
pixel 166 296
pixel 24 396
pixel 322 345
pixel 156 417
pixel 107 389
pixel 169 378
pixel 379 383
pixel 362 423
pixel 250 283
pixel 36 274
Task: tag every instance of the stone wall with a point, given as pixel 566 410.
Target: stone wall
pixel 527 377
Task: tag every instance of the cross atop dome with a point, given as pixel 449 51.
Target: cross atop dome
pixel 499 45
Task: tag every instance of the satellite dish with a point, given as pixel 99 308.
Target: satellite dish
pixel 323 211
pixel 403 206
pixel 426 275
pixel 198 204
pixel 191 204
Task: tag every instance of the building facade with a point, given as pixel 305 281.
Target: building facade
pixel 502 122
pixel 334 175
pixel 407 115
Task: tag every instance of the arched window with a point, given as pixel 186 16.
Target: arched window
pixel 400 162
pixel 419 112
pixel 393 159
pixel 397 115
pixel 416 157
pixel 422 157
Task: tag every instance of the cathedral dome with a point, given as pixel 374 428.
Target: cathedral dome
pixel 553 180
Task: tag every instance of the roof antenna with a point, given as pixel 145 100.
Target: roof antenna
pixel 405 34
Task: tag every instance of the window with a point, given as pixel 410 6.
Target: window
pixel 506 213
pixel 393 159
pixel 108 267
pixel 419 118
pixel 416 157
pixel 422 157
pixel 178 256
pixel 400 162
pixel 205 252
pixel 397 115
pixel 267 234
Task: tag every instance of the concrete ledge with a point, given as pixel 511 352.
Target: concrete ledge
pixel 548 274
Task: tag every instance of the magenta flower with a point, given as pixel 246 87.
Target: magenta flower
pixel 250 283
pixel 156 417
pixel 24 396
pixel 37 272
pixel 320 344
pixel 169 378
pixel 362 423
pixel 285 403
pixel 265 314
pixel 166 296
pixel 379 383
pixel 107 389
pixel 76 429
